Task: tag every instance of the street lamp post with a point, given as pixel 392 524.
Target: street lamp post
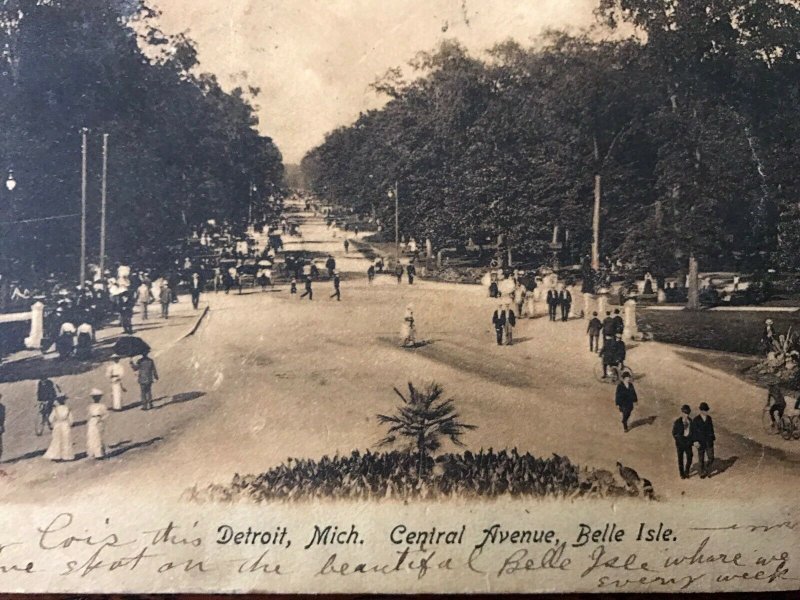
pixel 394 194
pixel 83 206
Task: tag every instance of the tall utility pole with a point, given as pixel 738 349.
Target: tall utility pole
pixel 396 224
pixel 103 206
pixel 83 206
pixel 596 225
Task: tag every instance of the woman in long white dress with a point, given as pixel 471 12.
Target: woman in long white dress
pixel 95 426
pixel 408 331
pixel 61 422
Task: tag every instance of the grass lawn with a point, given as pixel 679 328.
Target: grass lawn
pixel 727 331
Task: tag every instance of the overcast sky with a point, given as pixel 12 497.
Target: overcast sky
pixel 314 59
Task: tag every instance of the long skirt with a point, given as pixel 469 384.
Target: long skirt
pixel 61 443
pixel 116 395
pixel 94 438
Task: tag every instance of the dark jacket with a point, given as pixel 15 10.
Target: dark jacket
pixel 565 297
pixel 682 441
pixel 552 297
pixel 626 396
pixel 613 352
pixel 703 430
pixel 500 317
pixel 619 324
pixel 594 326
pixel 146 370
pixel 609 327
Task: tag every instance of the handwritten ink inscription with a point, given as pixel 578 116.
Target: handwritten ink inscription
pixel 609 556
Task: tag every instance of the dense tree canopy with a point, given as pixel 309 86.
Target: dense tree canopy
pixel 181 150
pixel 689 129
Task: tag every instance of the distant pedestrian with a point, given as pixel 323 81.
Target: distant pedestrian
pixel 619 324
pixel 165 298
pixel 520 293
pixel 309 292
pixel 83 341
pixel 293 286
pixel 330 264
pixel 704 440
pixel 626 399
pixel 195 289
pixel 504 321
pixel 61 423
pixel 552 303
pixel 683 434
pixel 97 413
pixel 337 293
pixel 594 329
pixel 408 331
pixel 125 306
pixel 565 302
pixel 379 265
pixel 144 298
pixel 411 272
pixel 370 273
pixel 147 374
pixel 114 373
pixel 776 403
pixel 346 245
pixel 398 272
pixel 609 329
pixel 355 230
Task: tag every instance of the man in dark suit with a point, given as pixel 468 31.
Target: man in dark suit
pixel 683 434
pixel 309 292
pixel 337 292
pixel 704 440
pixel 619 324
pixel 565 301
pixel 626 398
pixel 594 328
pixel 552 303
pixel 195 287
pixel 608 329
pixel 499 322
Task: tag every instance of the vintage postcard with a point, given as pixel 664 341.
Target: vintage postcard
pixel 399 296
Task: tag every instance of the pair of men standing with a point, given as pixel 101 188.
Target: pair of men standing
pixel 504 321
pixel 555 299
pixel 697 432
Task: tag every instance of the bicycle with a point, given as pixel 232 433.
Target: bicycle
pixel 42 418
pixel 787 426
pixel 614 373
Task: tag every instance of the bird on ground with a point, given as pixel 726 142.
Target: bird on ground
pixel 647 489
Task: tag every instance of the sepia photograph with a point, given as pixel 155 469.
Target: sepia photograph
pixel 399 295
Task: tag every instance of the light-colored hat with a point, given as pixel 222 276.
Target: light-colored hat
pixel 95 392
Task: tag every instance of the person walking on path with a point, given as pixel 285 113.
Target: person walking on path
pixel 519 298
pixel 195 288
pixel 330 264
pixel 504 321
pixel 293 286
pixel 626 399
pixel 337 293
pixel 552 303
pixel 126 302
pixel 619 324
pixel 165 298
pixel 144 297
pixel 96 416
pixel 47 393
pixel 309 292
pixel 704 440
pixel 147 374
pixel 565 302
pixel 370 273
pixel 594 328
pixel 613 354
pixel 609 329
pixel 61 423
pixel 114 373
pixel 408 331
pixel 411 271
pixel 398 272
pixel 683 434
pixel 346 245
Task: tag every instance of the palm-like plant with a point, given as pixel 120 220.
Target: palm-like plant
pixel 422 420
